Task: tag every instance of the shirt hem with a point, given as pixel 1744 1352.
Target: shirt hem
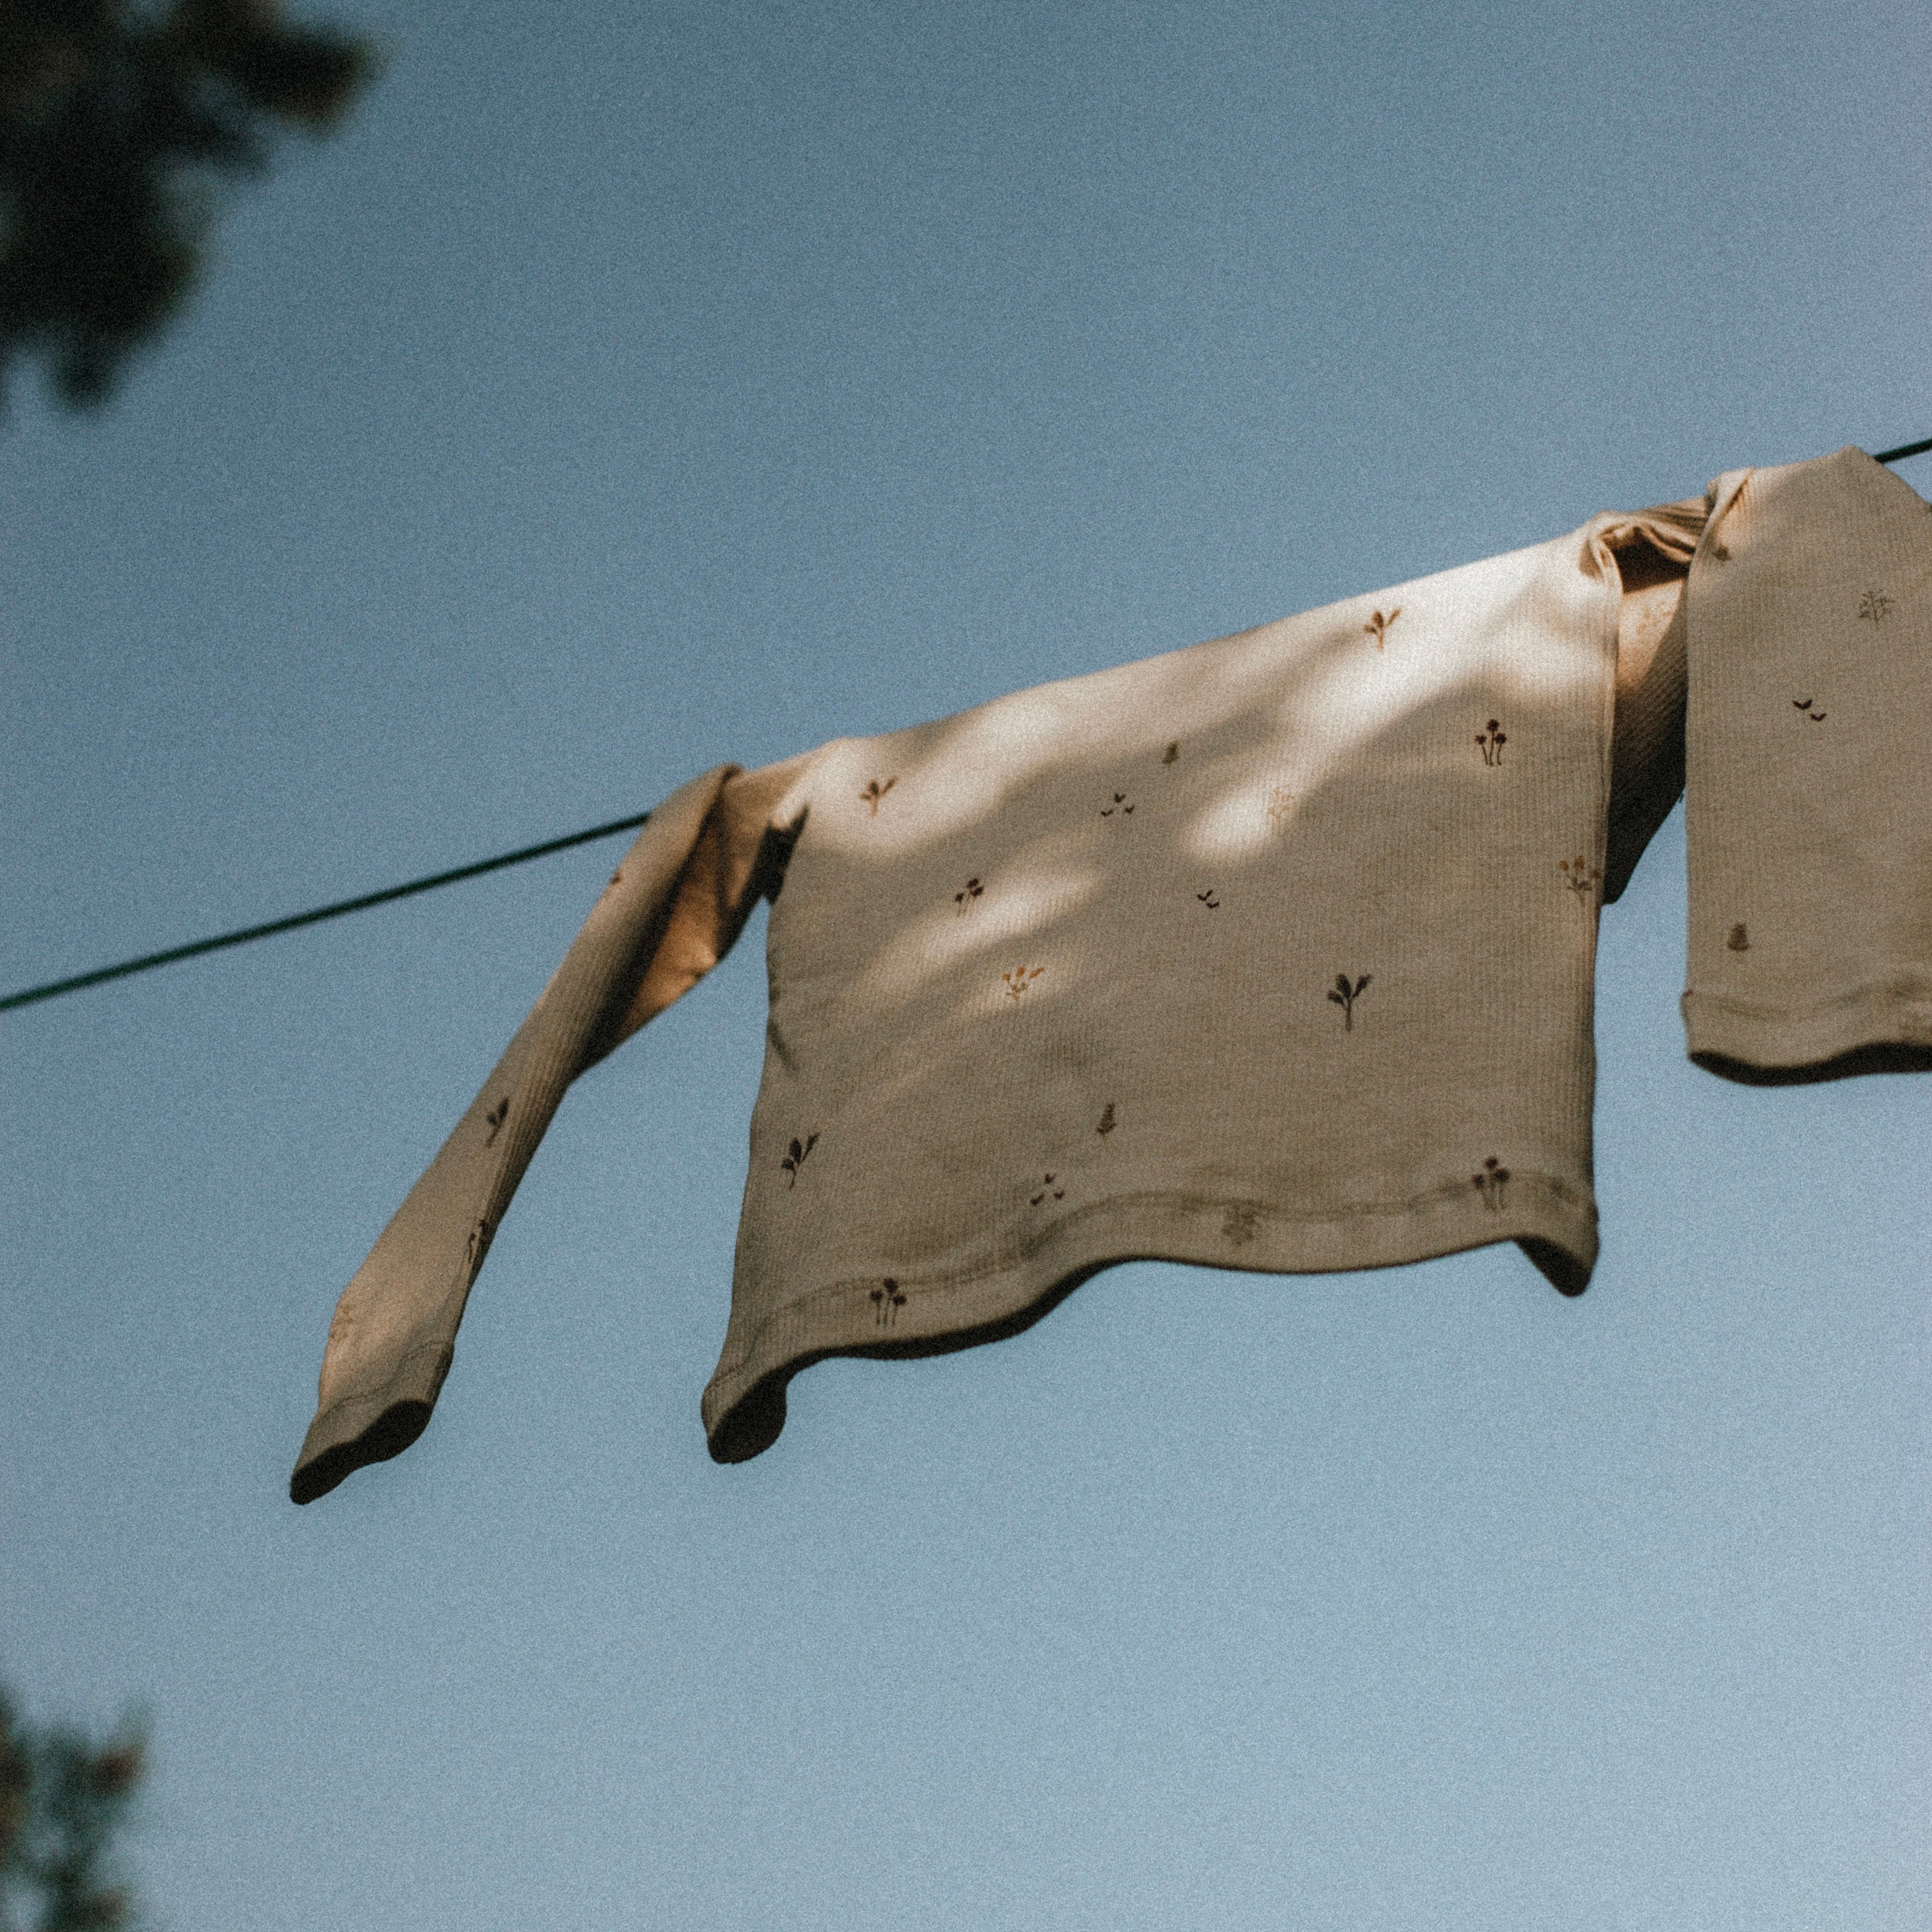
pixel 1883 1025
pixel 959 1306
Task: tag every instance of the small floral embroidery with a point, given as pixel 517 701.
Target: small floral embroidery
pixel 1345 995
pixel 1047 1187
pixel 967 893
pixel 1489 1181
pixel 1209 900
pixel 1377 626
pixel 1281 805
pixel 1581 879
pixel 1107 1123
pixel 1021 979
pixel 1740 940
pixel 887 1299
pixel 480 1236
pixel 795 1158
pixel 495 1117
pixel 1806 705
pixel 1173 752
pixel 1492 743
pixel 1121 804
pixel 875 791
pixel 1238 1226
pixel 1874 604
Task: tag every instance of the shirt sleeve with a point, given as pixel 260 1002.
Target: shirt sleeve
pixel 672 909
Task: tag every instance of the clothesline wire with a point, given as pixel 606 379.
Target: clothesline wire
pixel 244 934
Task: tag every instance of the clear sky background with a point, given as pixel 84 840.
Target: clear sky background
pixel 632 388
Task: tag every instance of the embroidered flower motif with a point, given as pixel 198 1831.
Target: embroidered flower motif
pixel 1874 604
pixel 1107 1123
pixel 1740 940
pixel 967 893
pixel 1238 1225
pixel 1021 979
pixel 1209 900
pixel 1047 1187
pixel 495 1117
pixel 1121 804
pixel 477 1246
pixel 887 1299
pixel 1378 626
pixel 1581 879
pixel 1345 995
pixel 795 1158
pixel 1173 752
pixel 875 791
pixel 1489 1181
pixel 1281 805
pixel 1492 743
pixel 1805 705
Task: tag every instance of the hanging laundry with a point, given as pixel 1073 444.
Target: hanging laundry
pixel 1808 814
pixel 1276 953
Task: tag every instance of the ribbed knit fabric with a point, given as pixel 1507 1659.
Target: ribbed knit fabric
pixel 1809 806
pixel 1275 954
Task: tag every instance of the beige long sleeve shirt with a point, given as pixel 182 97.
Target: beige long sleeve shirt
pixel 1276 953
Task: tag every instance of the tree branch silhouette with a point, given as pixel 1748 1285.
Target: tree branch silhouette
pixel 116 120
pixel 63 1797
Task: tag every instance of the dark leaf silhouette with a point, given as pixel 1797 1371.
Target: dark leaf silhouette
pixel 116 120
pixel 63 1798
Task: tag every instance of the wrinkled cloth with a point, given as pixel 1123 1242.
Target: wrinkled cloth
pixel 1275 953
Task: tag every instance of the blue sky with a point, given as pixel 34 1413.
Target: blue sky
pixel 629 389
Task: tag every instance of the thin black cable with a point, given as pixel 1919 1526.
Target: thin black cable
pixel 55 988
pixel 335 911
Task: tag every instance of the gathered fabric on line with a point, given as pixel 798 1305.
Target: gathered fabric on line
pixel 1275 953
